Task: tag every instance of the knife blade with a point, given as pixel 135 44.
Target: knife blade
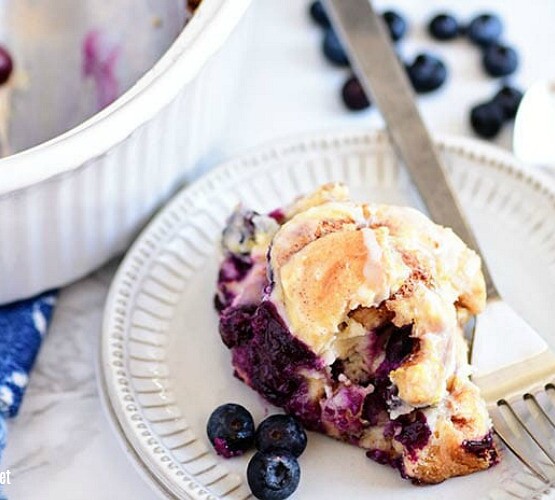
pixel 377 65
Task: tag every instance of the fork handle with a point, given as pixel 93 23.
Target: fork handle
pixel 385 79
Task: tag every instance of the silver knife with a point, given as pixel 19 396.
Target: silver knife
pixel 371 52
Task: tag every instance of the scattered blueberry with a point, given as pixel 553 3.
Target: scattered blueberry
pixel 319 14
pixel 333 50
pixel 273 476
pixel 427 73
pixel 353 95
pixel 280 432
pixel 230 429
pixel 396 24
pixel 499 60
pixel 509 99
pixel 443 27
pixel 485 29
pixel 487 119
pixel 6 65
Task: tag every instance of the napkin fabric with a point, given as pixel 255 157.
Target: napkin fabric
pixel 22 327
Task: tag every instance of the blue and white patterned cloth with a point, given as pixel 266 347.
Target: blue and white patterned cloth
pixel 22 327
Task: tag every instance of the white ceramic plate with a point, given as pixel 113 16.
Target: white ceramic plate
pixel 164 368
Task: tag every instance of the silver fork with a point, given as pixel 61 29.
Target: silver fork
pixel 509 376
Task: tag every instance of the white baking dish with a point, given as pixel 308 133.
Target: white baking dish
pixel 69 204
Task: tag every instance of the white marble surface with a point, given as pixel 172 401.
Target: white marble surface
pixel 61 445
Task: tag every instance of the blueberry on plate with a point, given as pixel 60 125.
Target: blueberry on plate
pixel 396 24
pixel 281 432
pixel 230 429
pixel 353 95
pixel 319 14
pixel 443 27
pixel 499 60
pixel 487 119
pixel 273 476
pixel 427 73
pixel 6 65
pixel 333 50
pixel 509 99
pixel 485 29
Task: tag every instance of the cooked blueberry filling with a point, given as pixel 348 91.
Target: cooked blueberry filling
pixel 278 215
pixel 235 325
pixel 234 268
pixel 271 361
pixel 398 345
pixel 482 448
pixel 376 404
pixel 414 432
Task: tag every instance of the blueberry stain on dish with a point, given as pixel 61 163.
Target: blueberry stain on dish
pixel 499 60
pixel 273 476
pixel 427 73
pixel 333 49
pixel 485 29
pixel 281 432
pixel 396 24
pixel 230 429
pixel 444 27
pixel 6 65
pixel 353 95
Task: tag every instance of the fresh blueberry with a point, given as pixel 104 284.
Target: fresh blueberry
pixel 427 73
pixel 487 119
pixel 230 429
pixel 509 99
pixel 6 65
pixel 280 432
pixel 499 60
pixel 485 29
pixel 353 95
pixel 396 24
pixel 333 50
pixel 319 14
pixel 273 476
pixel 443 27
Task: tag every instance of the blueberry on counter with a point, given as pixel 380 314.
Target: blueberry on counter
pixel 499 60
pixel 281 432
pixel 319 14
pixel 273 476
pixel 353 95
pixel 6 65
pixel 485 29
pixel 396 24
pixel 230 429
pixel 509 99
pixel 427 73
pixel 443 27
pixel 487 119
pixel 333 50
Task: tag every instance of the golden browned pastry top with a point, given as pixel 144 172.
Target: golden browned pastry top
pixel 334 256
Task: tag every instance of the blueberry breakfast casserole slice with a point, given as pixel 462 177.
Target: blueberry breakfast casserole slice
pixel 349 316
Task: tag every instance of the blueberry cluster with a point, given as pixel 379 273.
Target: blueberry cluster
pixel 6 65
pixel 498 60
pixel 426 72
pixel 273 472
